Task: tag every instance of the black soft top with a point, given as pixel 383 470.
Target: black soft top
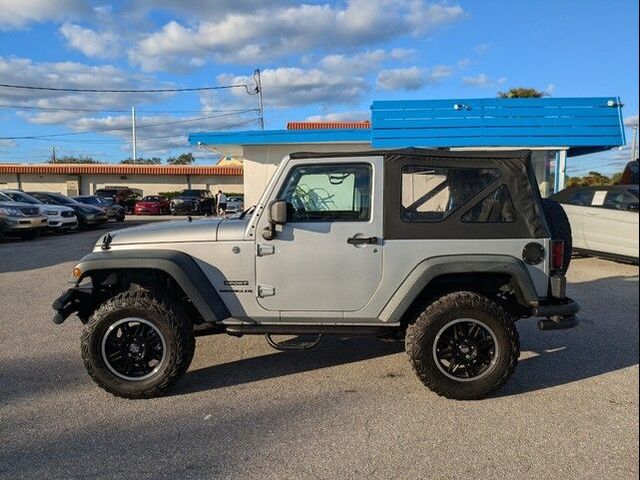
pixel 516 173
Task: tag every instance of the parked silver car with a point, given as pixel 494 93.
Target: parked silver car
pixel 20 219
pixel 59 217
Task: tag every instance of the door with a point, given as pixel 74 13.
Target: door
pixel 575 204
pixel 328 256
pixel 609 226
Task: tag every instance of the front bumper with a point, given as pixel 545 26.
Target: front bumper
pixel 184 209
pixel 96 219
pixel 61 223
pixel 21 224
pixel 76 299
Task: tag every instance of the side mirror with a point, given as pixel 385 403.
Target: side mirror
pixel 278 212
pixel 277 216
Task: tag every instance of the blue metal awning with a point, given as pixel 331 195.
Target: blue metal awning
pixel 580 124
pixel 498 122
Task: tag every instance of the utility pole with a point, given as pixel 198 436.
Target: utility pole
pixel 634 142
pixel 259 89
pixel 133 134
pixel 53 154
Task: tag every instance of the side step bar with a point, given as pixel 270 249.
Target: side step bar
pixel 239 330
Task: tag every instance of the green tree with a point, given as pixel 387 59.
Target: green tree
pixel 73 159
pixel 182 159
pixel 522 92
pixel 143 161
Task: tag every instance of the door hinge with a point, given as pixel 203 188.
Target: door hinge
pixel 266 291
pixel 266 250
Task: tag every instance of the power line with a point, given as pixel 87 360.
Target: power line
pixel 118 129
pixel 60 109
pixel 147 90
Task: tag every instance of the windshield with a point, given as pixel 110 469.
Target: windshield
pixel 4 198
pixel 191 193
pixel 152 198
pixel 61 199
pixel 23 197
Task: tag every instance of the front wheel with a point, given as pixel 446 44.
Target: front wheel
pixel 137 344
pixel 463 346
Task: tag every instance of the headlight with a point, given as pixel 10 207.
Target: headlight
pixel 11 212
pixel 50 213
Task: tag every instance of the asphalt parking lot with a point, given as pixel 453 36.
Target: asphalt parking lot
pixel 351 408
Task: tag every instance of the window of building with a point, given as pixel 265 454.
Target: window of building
pixel 497 207
pixel 432 194
pixel 325 193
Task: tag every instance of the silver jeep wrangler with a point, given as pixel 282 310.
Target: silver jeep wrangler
pixel 444 249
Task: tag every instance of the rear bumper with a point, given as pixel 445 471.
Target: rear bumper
pixel 560 314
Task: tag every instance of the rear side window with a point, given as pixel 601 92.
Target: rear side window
pixel 497 207
pixel 325 193
pixel 432 194
pixel 620 200
pixel 580 198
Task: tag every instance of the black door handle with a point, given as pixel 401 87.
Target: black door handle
pixel 362 240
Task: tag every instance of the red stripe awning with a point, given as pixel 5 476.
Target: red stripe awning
pixel 108 169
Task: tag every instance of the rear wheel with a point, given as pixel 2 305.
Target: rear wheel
pixel 463 346
pixel 137 344
pixel 559 227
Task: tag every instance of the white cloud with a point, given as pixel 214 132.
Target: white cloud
pixel 90 42
pixel 353 116
pixel 264 34
pixel 412 78
pixel 19 13
pixel 631 120
pixel 23 71
pixel 482 80
pixel 481 48
pixel 290 87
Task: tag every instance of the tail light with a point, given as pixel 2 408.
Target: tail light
pixel 557 254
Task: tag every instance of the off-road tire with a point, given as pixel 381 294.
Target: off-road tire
pixel 167 316
pixel 560 228
pixel 421 335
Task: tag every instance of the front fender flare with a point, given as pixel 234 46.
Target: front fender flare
pixel 429 269
pixel 178 265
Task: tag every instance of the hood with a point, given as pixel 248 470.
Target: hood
pixel 84 208
pixel 167 232
pixel 180 231
pixel 55 208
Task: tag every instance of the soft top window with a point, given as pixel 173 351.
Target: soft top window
pixel 431 194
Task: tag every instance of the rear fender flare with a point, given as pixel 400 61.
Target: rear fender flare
pixel 431 268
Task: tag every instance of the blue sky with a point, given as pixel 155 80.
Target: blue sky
pixel 319 60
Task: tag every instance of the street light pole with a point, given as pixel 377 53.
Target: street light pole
pixel 634 142
pixel 133 134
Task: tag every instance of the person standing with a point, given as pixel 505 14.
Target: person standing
pixel 221 201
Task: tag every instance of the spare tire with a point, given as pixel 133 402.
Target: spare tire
pixel 560 227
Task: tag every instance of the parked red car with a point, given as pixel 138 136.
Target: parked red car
pixel 153 205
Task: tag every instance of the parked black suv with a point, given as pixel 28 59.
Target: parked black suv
pixel 122 196
pixel 193 202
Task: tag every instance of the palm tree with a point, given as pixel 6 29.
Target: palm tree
pixel 522 92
